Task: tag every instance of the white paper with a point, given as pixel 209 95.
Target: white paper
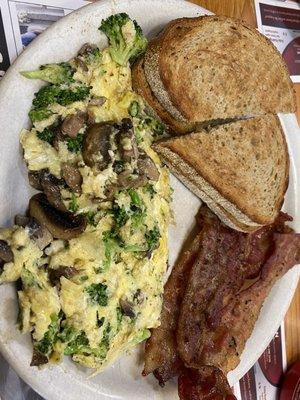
pixel 280 22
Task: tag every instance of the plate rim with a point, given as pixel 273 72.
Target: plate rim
pixel 30 377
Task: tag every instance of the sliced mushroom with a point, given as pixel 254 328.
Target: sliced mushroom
pixel 56 274
pixel 80 64
pixel 86 48
pixel 96 145
pixel 50 185
pixel 72 124
pixel 127 181
pixel 21 220
pixel 38 358
pixel 62 225
pixel 34 178
pixel 127 308
pixel 6 254
pixel 147 167
pixel 97 101
pixel 127 142
pixel 59 137
pixel 72 177
pixel 40 234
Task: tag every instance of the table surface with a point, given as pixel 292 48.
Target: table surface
pixel 244 10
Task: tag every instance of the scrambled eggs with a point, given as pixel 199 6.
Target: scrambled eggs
pixel 93 291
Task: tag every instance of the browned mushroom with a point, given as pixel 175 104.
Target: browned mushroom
pixel 72 177
pixel 127 181
pixel 127 308
pixel 40 234
pixel 72 124
pixel 62 225
pixel 127 142
pixel 59 137
pixel 97 101
pixel 56 274
pixel 34 178
pixel 21 220
pixel 96 145
pixel 50 185
pixel 86 48
pixel 38 358
pixel 147 167
pixel 6 254
pixel 80 64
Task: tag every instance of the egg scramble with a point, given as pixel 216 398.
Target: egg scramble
pixel 91 254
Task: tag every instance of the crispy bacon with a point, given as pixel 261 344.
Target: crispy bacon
pixel 239 316
pixel 161 355
pixel 206 383
pixel 210 304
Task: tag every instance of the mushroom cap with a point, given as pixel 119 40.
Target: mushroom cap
pixel 62 225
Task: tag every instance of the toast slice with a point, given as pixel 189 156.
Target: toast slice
pixel 239 169
pixel 217 68
pixel 141 86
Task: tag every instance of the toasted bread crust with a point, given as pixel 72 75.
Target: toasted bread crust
pixel 210 64
pixel 141 86
pixel 243 166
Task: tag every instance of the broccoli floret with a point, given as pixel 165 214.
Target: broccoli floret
pixel 90 217
pixel 152 238
pixel 119 166
pixel 134 109
pixel 39 114
pixel 73 206
pixel 47 135
pixel 50 94
pixel 157 127
pixel 98 294
pixel 52 73
pixel 148 188
pixel 75 145
pixel 125 37
pixel 120 217
pixel 93 56
pixel 45 346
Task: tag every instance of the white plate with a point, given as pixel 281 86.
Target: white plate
pixel 123 380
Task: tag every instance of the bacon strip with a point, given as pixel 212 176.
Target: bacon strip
pixel 223 345
pixel 206 383
pixel 161 355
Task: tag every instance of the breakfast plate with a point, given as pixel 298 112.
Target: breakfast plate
pixel 123 379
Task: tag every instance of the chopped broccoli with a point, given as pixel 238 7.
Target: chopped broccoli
pixel 135 198
pixel 75 145
pixel 90 217
pixel 47 135
pixel 157 127
pixel 134 109
pixel 52 73
pixel 137 209
pixel 152 238
pixel 148 188
pixel 119 166
pixel 78 343
pixel 113 242
pixel 125 37
pixel 141 336
pixel 45 346
pixel 100 321
pixel 98 294
pixel 28 279
pixel 120 216
pixel 38 114
pixel 50 94
pixel 73 206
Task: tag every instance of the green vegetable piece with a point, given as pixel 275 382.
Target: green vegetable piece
pixel 39 114
pixel 51 94
pixel 126 39
pixel 90 217
pixel 98 294
pixel 152 238
pixel 52 73
pixel 83 278
pixel 45 345
pixel 148 188
pixel 119 166
pixel 29 279
pixel 47 135
pixel 141 336
pixel 120 216
pixel 75 145
pixel 134 109
pixel 78 345
pixel 135 198
pixel 93 56
pixel 157 127
pixel 73 206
